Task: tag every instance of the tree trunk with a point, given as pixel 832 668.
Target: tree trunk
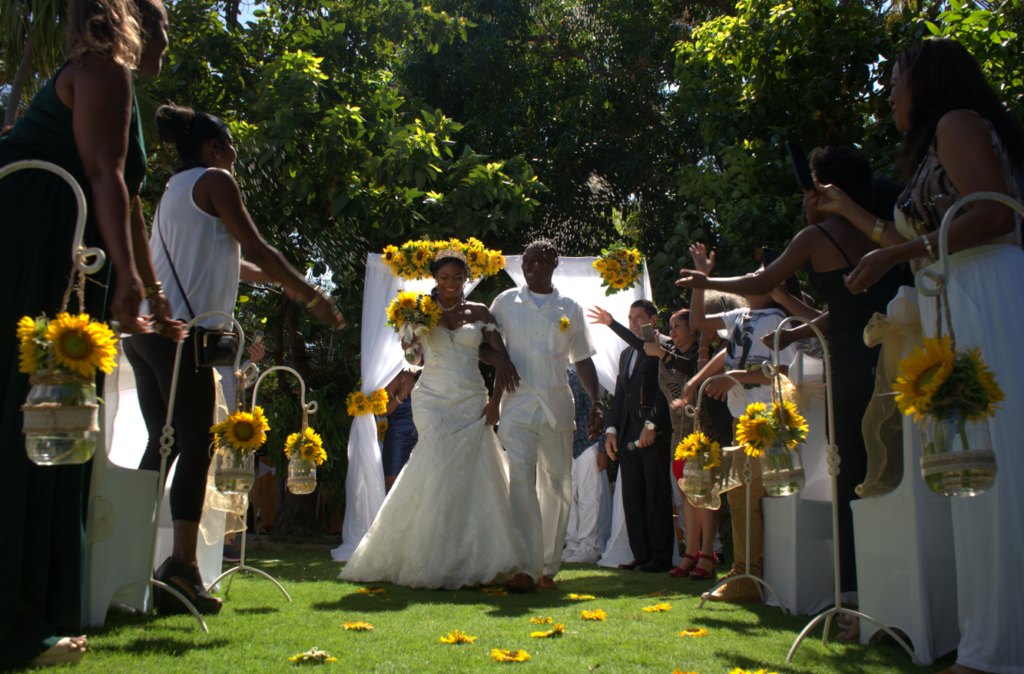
pixel 14 97
pixel 231 14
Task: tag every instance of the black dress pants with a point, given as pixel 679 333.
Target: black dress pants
pixel 647 500
pixel 152 359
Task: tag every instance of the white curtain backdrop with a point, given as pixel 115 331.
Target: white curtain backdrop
pixel 577 278
pixel 382 358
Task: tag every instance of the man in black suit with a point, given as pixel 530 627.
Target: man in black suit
pixel 640 414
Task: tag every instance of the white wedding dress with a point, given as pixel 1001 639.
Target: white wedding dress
pixel 447 521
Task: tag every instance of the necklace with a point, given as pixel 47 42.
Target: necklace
pixel 445 309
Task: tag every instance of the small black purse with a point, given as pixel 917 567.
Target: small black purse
pixel 213 348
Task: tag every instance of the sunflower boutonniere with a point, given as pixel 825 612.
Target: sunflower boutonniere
pixel 563 323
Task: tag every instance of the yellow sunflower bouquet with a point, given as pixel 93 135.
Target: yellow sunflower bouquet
pixel 620 267
pixel 774 434
pixel 359 403
pixel 413 314
pixel 701 455
pixel 62 356
pixel 950 392
pixel 305 451
pixel 412 259
pixel 237 438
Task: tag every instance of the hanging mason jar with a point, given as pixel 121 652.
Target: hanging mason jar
pixel 235 470
pixel 60 419
pixel 301 476
pixel 697 481
pixel 781 470
pixel 957 457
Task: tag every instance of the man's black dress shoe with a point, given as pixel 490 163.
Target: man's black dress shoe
pixel 630 566
pixel 655 566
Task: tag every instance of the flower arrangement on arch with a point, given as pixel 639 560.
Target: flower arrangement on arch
pixel 75 344
pixel 699 447
pixel 306 446
pixel 242 431
pixel 763 427
pixel 620 267
pixel 359 403
pixel 412 259
pixel 938 379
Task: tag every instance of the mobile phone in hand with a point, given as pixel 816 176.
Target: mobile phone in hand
pixel 801 168
pixel 648 331
pixel 257 337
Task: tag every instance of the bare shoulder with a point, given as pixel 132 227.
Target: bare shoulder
pixel 217 178
pixel 961 126
pixel 479 312
pixel 105 75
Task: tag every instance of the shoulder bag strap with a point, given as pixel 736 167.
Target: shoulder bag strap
pixel 156 222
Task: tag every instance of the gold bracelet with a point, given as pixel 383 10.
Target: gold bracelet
pixel 928 247
pixel 154 289
pixel 876 235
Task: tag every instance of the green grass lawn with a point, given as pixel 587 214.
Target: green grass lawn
pixel 258 629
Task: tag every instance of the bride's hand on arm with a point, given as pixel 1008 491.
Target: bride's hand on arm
pixel 506 378
pixel 492 411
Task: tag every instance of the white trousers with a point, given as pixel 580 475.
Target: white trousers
pixel 540 486
pixel 590 513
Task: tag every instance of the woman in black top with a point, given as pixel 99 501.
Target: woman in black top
pixel 833 247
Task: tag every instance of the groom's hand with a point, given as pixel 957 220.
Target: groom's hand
pixel 611 446
pixel 505 375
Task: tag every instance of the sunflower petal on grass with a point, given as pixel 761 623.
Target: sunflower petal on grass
pixel 500 655
pixel 582 597
pixel 358 626
pixel 596 614
pixel 679 671
pixel 457 637
pixel 495 591
pixel 541 621
pixel 662 593
pixel 313 656
pixel 744 671
pixel 556 631
pixel 694 632
pixel 657 608
pixel 371 590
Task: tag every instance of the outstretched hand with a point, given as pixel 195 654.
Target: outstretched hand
pixel 689 278
pixel 599 316
pixel 702 261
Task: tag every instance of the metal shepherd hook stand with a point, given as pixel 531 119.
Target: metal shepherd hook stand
pixel 166 442
pixel 832 450
pixel 748 476
pixel 307 408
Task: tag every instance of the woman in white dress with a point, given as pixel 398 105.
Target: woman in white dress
pixel 959 139
pixel 447 522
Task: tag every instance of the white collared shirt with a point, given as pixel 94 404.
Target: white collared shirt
pixel 540 351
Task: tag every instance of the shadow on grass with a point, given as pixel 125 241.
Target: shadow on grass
pixel 167 646
pixel 257 610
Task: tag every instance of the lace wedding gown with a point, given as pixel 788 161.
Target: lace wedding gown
pixel 447 521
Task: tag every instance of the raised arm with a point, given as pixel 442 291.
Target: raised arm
pixel 796 255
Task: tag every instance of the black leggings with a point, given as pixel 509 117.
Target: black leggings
pixel 152 358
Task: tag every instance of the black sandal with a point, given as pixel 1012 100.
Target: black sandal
pixel 184 578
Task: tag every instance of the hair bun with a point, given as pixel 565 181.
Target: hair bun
pixel 174 123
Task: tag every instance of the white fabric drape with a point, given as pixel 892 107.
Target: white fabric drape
pixel 382 358
pixel 577 278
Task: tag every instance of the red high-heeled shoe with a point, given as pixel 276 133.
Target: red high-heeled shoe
pixel 698 573
pixel 679 571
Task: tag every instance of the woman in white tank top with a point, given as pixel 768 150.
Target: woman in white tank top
pixel 200 232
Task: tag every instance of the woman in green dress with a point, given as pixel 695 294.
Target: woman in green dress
pixel 85 119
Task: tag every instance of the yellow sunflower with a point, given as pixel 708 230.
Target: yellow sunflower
pixel 581 597
pixel 421 255
pixel 82 346
pixel 32 356
pixel 596 614
pixel 793 421
pixel 395 314
pixel 407 299
pixel 921 374
pixel 26 328
pixel 621 254
pixel 373 589
pixel 357 403
pixel 657 608
pixel 556 631
pixel 358 626
pixel 621 282
pixel 601 265
pixel 379 401
pixel 458 637
pixel 382 428
pixel 694 632
pixel 612 265
pixel 986 383
pixel 430 309
pixel 541 621
pixel 563 323
pixel 310 448
pixel 500 655
pixel 243 430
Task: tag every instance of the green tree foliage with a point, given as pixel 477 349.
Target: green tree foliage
pixel 33 47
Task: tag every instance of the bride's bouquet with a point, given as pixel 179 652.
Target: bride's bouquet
pixel 413 314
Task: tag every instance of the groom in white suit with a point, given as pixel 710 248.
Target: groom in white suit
pixel 543 330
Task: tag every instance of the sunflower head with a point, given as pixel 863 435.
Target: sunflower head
pixel 921 374
pixel 243 431
pixel 80 345
pixel 563 323
pixel 382 428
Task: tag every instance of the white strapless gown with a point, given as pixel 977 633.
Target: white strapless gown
pixel 447 521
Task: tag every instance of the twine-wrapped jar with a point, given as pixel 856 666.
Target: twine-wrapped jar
pixel 60 418
pixel 957 457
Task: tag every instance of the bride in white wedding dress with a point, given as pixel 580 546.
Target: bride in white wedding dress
pixel 447 521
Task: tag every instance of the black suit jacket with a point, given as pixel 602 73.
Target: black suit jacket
pixel 638 398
